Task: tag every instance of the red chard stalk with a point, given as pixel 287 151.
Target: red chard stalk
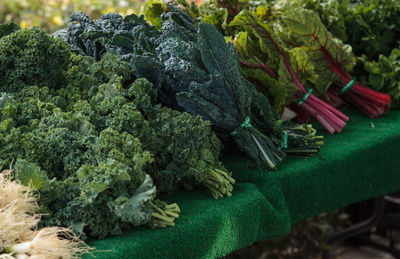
pixel 292 68
pixel 298 27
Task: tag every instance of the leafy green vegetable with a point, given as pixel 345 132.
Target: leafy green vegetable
pixel 31 57
pixel 372 27
pixel 290 69
pixel 6 29
pixel 195 71
pixel 301 27
pixel 382 75
pixel 93 145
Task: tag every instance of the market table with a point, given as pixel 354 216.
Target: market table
pixel 360 163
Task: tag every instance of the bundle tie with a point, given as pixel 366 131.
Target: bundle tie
pixel 304 98
pixel 245 124
pixel 280 122
pixel 348 86
pixel 284 144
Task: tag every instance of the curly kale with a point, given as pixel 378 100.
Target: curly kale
pixel 31 57
pixel 76 187
pixel 185 150
pixel 93 146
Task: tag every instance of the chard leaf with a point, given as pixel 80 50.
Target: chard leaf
pixel 303 68
pixel 257 69
pixel 303 28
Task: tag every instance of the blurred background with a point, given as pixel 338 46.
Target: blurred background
pixel 51 15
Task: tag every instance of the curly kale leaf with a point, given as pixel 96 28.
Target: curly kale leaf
pixel 31 57
pixel 133 209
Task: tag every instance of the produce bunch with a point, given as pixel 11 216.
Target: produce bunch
pixel 19 216
pixel 284 47
pixel 382 74
pixel 281 73
pixel 303 28
pixel 371 28
pixel 89 137
pixel 192 69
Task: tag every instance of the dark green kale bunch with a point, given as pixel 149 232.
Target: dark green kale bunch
pixel 31 57
pixel 197 72
pixel 131 37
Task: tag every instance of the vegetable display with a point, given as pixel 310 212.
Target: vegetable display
pixel 93 143
pixel 281 52
pixel 103 118
pixel 192 70
pixel 280 73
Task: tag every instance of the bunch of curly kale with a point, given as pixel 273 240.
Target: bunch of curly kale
pixel 88 136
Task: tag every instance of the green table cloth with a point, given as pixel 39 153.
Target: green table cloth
pixel 361 162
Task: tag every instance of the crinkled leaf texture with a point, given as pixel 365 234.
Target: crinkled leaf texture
pixel 133 209
pixel 30 174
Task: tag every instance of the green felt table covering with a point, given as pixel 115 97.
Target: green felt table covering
pixel 361 162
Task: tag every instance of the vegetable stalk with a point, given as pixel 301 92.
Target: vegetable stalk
pixel 164 215
pixel 219 183
pixel 302 139
pixel 371 102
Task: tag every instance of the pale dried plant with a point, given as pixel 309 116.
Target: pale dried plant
pixel 17 210
pixel 18 220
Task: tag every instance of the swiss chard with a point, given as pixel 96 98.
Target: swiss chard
pixel 294 68
pixel 382 75
pixel 299 27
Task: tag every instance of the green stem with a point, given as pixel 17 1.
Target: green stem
pixel 164 215
pixel 218 182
